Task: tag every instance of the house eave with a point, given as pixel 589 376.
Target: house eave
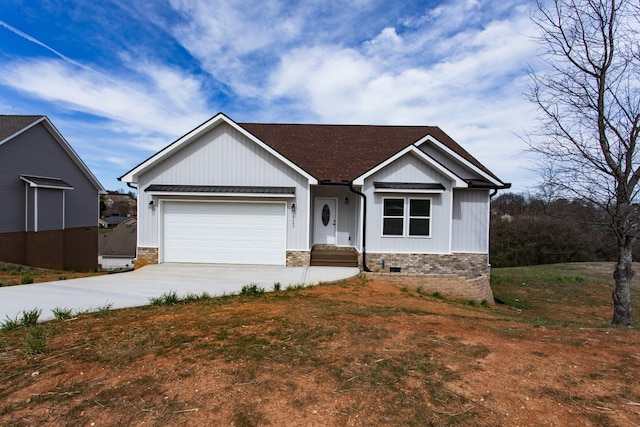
pixel 428 138
pixel 65 146
pixel 220 191
pixel 199 194
pixel 220 118
pixel 412 149
pixel 52 183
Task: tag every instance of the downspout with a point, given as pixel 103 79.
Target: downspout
pixel 364 217
pixel 364 226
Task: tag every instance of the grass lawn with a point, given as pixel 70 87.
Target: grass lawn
pixel 355 353
pixel 576 294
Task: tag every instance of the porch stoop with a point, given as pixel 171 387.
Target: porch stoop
pixel 333 256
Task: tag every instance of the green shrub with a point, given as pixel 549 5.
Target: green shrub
pixel 105 309
pixel 62 313
pixel 10 324
pixel 251 290
pixel 30 318
pixel 26 279
pixel 36 339
pixel 167 298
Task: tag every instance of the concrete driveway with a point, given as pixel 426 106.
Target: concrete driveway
pixel 134 288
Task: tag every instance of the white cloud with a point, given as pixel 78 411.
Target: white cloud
pixel 473 91
pixel 460 65
pixel 387 41
pixel 170 103
pixel 233 40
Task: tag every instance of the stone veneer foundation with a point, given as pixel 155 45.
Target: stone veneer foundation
pixel 463 264
pixel 298 258
pixel 146 256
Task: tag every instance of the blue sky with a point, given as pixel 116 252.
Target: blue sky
pixel 121 79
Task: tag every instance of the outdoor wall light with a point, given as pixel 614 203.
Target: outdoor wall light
pixel 152 203
pixel 293 207
pixel 346 200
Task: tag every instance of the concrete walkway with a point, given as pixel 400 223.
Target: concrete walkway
pixel 134 288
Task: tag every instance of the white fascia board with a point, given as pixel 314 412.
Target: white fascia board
pixel 24 129
pixel 55 187
pixel 457 181
pixel 215 121
pixel 131 176
pixel 459 158
pixel 160 194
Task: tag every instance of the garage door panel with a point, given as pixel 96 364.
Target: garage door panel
pixel 236 233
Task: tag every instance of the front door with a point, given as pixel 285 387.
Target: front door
pixel 324 230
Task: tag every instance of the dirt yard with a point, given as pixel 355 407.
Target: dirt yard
pixel 353 354
pixel 13 274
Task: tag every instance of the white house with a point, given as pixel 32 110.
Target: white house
pixel 403 199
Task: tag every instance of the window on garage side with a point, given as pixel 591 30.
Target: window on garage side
pixel 420 217
pixel 393 217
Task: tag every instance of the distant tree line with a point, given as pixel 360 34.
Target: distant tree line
pixel 529 230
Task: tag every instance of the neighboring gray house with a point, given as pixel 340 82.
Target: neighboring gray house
pixel 49 198
pixel 117 250
pixel 394 198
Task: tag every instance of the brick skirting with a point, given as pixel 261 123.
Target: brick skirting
pixel 466 265
pixel 298 258
pixel 146 256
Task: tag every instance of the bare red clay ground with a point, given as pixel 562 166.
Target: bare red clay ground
pixel 354 354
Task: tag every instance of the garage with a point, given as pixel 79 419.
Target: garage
pixel 224 232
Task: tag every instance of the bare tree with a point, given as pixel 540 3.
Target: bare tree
pixel 588 96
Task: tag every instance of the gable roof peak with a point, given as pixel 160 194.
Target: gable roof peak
pixel 13 124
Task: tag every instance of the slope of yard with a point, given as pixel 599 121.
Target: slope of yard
pixel 350 354
pixel 14 274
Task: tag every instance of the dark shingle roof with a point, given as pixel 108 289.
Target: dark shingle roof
pixel 122 241
pixel 9 125
pixel 408 186
pixel 344 152
pixel 39 181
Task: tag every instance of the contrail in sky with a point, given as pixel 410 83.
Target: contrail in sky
pixel 50 49
pixel 76 63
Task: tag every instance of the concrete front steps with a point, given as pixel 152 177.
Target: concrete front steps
pixel 333 256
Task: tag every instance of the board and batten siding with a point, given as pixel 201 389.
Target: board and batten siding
pixel 470 221
pixel 36 152
pixel 223 156
pixel 409 169
pixel 445 159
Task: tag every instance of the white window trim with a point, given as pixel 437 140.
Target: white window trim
pixel 403 217
pixel 409 217
pixel 406 217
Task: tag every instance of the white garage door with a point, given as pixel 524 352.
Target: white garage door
pixel 227 233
